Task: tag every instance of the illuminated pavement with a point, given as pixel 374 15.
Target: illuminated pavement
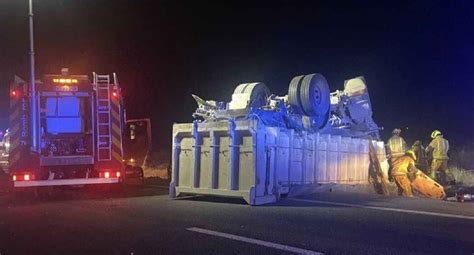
pixel 147 222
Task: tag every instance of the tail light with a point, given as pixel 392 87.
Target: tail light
pixel 110 174
pixel 23 177
pixel 14 93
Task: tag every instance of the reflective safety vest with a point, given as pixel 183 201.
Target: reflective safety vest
pixel 396 146
pixel 440 147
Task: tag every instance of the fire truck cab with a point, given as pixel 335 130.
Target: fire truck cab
pixel 79 132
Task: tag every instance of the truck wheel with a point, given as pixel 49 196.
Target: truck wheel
pixel 314 95
pixel 294 94
pixel 138 172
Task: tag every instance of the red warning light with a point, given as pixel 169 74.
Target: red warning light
pixel 114 94
pixel 13 93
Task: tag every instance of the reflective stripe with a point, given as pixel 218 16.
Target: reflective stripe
pixel 440 148
pixel 116 131
pixel 395 144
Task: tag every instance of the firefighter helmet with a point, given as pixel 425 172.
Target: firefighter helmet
pixel 435 133
pixel 411 154
pixel 396 131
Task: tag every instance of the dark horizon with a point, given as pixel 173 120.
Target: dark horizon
pixel 417 57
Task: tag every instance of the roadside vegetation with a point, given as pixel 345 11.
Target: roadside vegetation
pixel 157 165
pixel 461 165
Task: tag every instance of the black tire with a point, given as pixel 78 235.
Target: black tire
pixel 241 88
pixel 294 94
pixel 314 95
pixel 140 174
pixel 258 91
pixel 320 121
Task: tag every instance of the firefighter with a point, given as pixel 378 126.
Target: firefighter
pixel 396 145
pixel 421 161
pixel 439 148
pixel 403 167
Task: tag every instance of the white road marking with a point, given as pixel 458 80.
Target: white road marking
pixel 254 241
pixel 447 215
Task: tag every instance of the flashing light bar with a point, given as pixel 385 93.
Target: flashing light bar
pixel 65 80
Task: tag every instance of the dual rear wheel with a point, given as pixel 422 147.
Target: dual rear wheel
pixel 309 95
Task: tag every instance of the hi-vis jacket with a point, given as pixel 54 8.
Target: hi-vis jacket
pixel 396 146
pixel 403 165
pixel 440 148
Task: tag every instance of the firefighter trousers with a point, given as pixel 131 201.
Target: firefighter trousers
pixel 440 165
pixel 404 185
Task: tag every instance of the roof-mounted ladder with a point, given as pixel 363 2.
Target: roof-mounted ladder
pixel 104 132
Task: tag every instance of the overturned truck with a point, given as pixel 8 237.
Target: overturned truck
pixel 259 145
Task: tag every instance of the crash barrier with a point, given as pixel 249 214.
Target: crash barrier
pixel 258 163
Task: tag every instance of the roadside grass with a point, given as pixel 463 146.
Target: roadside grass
pixel 461 165
pixel 157 165
pixel 462 176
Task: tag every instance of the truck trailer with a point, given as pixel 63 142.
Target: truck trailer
pixel 81 126
pixel 259 146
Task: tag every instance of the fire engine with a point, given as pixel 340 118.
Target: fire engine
pixel 80 129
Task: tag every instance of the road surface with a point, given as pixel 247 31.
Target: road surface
pixel 146 221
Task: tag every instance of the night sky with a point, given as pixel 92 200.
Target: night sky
pixel 417 56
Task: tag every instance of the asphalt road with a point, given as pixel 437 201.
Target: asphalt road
pixel 146 221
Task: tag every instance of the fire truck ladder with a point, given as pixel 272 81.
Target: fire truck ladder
pixel 104 132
